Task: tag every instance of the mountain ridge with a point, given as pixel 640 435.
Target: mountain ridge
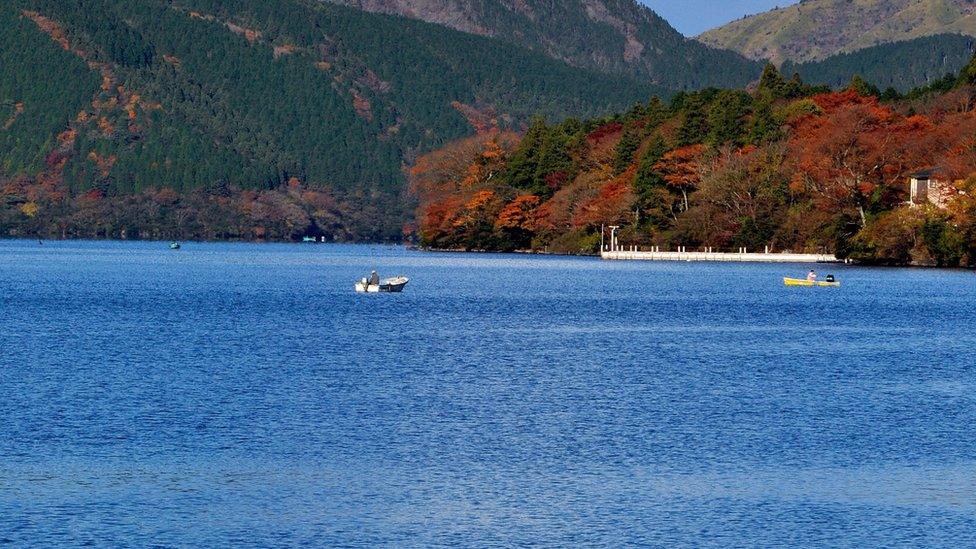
pixel 813 30
pixel 613 36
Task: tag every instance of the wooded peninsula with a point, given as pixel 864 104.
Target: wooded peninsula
pixel 872 176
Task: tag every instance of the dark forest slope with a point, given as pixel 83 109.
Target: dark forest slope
pixel 125 96
pixel 899 65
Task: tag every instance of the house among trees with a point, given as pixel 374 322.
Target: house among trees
pixel 929 186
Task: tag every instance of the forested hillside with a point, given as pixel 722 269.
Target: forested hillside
pixel 814 30
pixel 901 66
pixel 614 36
pixel 312 107
pixel 787 166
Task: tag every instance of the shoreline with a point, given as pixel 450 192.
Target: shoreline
pixel 832 260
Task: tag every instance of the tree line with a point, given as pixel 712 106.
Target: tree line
pixel 786 165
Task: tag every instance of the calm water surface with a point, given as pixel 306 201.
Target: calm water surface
pixel 243 394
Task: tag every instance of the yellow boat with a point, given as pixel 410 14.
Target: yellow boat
pixel 805 282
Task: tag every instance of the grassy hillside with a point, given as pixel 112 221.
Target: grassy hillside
pixel 121 97
pixel 816 29
pixel 899 65
pixel 614 36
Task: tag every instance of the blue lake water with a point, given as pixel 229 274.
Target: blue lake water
pixel 242 394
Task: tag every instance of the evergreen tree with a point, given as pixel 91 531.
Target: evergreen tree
pixel 771 82
pixel 890 94
pixel 656 111
pixel 636 112
pixel 764 128
pixel 726 118
pixel 524 163
pixel 942 85
pixel 626 147
pixel 694 125
pixel 649 184
pixel 678 101
pixel 571 126
pixel 863 87
pixel 795 88
pixel 555 166
pixel 647 177
pixel 968 74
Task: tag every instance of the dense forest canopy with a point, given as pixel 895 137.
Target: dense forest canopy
pixel 786 166
pixel 901 66
pixel 114 99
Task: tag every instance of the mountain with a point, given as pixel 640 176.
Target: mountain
pixel 615 36
pixel 899 65
pixel 816 29
pixel 112 98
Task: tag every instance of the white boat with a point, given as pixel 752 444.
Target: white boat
pixel 394 284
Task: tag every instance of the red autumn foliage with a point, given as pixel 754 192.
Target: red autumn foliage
pixel 517 214
pixel 604 131
pixel 681 168
pixel 612 204
pixel 860 153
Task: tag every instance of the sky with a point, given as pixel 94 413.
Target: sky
pixel 692 17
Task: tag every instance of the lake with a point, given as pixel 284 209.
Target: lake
pixel 243 394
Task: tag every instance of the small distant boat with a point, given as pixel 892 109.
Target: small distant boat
pixel 394 285
pixel 805 282
pixel 309 239
pixel 174 245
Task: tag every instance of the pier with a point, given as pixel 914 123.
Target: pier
pixel 634 254
pixel 613 250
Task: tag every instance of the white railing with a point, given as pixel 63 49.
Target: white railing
pixel 708 254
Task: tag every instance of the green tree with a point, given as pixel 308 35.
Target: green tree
pixel 648 178
pixel 726 118
pixel 626 147
pixel 764 127
pixel 968 74
pixel 656 111
pixel 654 202
pixel 890 94
pixel 771 82
pixel 637 111
pixel 524 164
pixel 694 125
pixel 555 166
pixel 863 87
pixel 795 88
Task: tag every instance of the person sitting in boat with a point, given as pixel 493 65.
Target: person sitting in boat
pixel 830 278
pixel 812 276
pixel 374 279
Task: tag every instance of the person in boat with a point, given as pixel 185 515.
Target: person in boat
pixel 812 276
pixel 830 278
pixel 374 279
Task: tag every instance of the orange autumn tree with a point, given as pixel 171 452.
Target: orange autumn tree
pixel 682 171
pixel 516 221
pixel 447 180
